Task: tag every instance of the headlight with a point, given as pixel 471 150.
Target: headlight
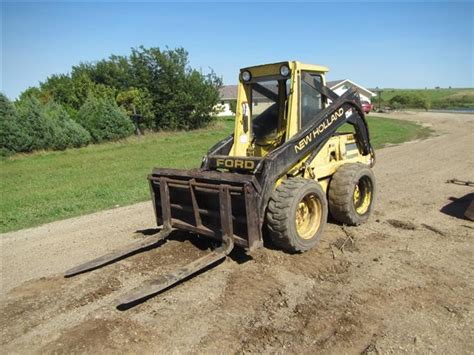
pixel 284 70
pixel 246 76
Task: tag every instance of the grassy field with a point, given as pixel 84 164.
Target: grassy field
pixel 433 94
pixel 47 186
pixel 449 96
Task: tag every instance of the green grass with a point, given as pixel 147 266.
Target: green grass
pixel 433 94
pixel 449 96
pixel 47 186
pixel 387 131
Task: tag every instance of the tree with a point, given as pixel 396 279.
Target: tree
pixel 183 98
pixel 158 83
pixel 72 91
pixel 37 93
pixel 233 106
pixel 12 137
pixel 114 72
pixel 104 120
pixel 137 102
pixel 202 96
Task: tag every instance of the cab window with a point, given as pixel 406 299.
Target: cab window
pixel 311 101
pixel 266 107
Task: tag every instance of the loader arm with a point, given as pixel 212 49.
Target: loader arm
pixel 220 148
pixel 309 141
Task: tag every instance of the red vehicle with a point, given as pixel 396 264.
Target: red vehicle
pixel 367 107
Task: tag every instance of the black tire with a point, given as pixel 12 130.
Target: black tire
pixel 343 205
pixel 291 196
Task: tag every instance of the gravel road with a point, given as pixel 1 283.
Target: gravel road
pixel 401 283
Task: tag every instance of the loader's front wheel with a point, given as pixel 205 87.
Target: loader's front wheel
pixel 351 194
pixel 296 215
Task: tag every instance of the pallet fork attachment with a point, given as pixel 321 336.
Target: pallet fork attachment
pixel 164 282
pixel 119 254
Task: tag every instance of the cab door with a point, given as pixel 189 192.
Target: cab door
pixel 311 101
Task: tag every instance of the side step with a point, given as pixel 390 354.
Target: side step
pixel 120 253
pixel 153 287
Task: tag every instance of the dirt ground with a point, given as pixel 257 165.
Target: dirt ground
pixel 401 283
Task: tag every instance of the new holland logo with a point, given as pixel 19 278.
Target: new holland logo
pixel 235 164
pixel 303 142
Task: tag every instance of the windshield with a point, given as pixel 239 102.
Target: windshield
pixel 267 105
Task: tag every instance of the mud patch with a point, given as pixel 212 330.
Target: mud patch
pixel 347 244
pixel 376 236
pixel 401 224
pixel 167 253
pixel 433 229
pixel 104 289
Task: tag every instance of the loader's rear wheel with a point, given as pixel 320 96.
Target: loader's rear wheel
pixel 297 213
pixel 351 194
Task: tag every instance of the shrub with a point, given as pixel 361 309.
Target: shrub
pixel 36 126
pixel 402 100
pixel 458 101
pixel 12 137
pixel 419 102
pixel 409 101
pixel 34 123
pixel 104 120
pixel 66 133
pixel 396 105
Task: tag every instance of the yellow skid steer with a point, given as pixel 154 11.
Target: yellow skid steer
pixel 284 168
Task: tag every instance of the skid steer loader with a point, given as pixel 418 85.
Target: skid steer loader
pixel 284 168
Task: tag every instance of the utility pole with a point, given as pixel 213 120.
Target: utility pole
pixel 379 92
pixel 136 118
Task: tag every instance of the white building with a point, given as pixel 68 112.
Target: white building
pixel 341 86
pixel 228 93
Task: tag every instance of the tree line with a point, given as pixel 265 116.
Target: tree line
pixel 96 101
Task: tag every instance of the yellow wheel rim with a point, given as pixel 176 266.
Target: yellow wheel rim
pixel 362 195
pixel 308 216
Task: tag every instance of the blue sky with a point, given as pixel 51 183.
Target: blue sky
pixel 397 44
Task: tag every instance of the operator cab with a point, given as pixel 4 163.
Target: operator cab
pixel 268 96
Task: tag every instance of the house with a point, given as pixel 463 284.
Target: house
pixel 341 86
pixel 228 93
